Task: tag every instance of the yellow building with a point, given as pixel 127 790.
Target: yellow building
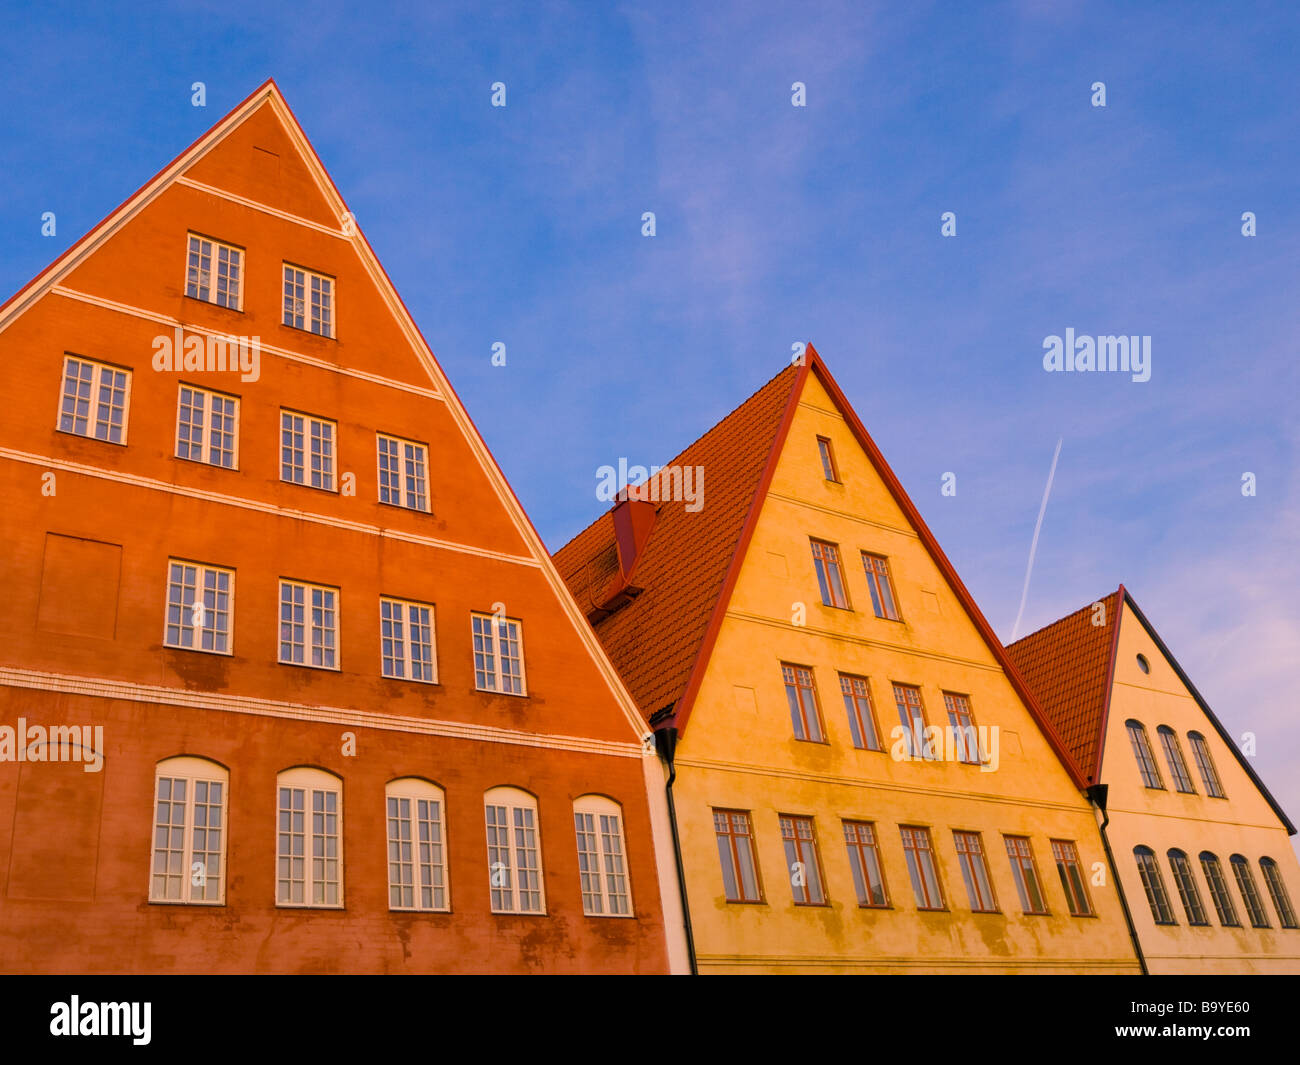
pixel 779 611
pixel 1203 850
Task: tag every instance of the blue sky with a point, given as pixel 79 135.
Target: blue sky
pixel 778 224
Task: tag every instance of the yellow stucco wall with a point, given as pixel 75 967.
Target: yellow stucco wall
pixel 1243 823
pixel 738 752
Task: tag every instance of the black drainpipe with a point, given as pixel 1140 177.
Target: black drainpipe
pixel 1097 795
pixel 666 745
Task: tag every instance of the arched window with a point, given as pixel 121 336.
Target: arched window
pixel 1137 735
pixel 1219 890
pixel 514 852
pixel 1277 889
pixel 1209 777
pixel 602 867
pixel 309 848
pixel 417 857
pixel 1174 759
pixel 189 832
pixel 1249 892
pixel 1187 889
pixel 1154 885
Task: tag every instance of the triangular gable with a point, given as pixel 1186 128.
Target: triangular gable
pixel 1069 665
pixel 332 215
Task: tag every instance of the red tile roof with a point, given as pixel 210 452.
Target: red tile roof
pixel 1067 666
pixel 655 639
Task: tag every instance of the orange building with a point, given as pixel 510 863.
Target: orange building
pixel 1203 850
pixel 862 783
pixel 288 680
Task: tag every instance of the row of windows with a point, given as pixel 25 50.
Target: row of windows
pixel 201 617
pixel 742 882
pixel 1162 911
pixel 190 841
pixel 96 399
pixel 215 274
pixel 1146 762
pixel 806 716
pixel 834 588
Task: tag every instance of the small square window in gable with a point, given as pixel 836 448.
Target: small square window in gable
pixel 79 585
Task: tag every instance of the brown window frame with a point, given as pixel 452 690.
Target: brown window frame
pixel 731 835
pixel 792 676
pixel 857 848
pixel 970 848
pixel 1018 867
pixel 830 468
pixel 793 839
pixel 920 890
pixel 877 570
pixel 966 755
pixel 1068 860
pixel 827 561
pixel 862 725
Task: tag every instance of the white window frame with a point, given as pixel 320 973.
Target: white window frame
pixel 481 651
pixel 427 870
pixel 401 496
pixel 402 636
pixel 304 278
pixel 212 252
pixel 310 629
pixel 187 617
pixel 610 862
pixel 206 430
pixel 310 424
pixel 311 782
pixel 503 877
pixel 193 771
pixel 97 371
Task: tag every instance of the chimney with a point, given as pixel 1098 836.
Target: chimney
pixel 633 520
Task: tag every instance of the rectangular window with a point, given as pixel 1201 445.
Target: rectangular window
pixel 95 399
pixel 805 715
pixel 307 450
pixel 1205 764
pixel 880 586
pixel 308 625
pixel 864 860
pixel 965 738
pixel 919 852
pixel 199 606
pixel 401 472
pixel 862 717
pixel 1025 871
pixel 911 714
pixel 207 427
pixel 514 864
pixel 975 872
pixel 415 848
pixel 214 272
pixel 802 861
pixel 406 640
pixel 498 654
pixel 602 875
pixel 826 560
pixel 188 835
pixel 1071 874
pixel 308 880
pixel 829 469
pixel 308 301
pixel 736 852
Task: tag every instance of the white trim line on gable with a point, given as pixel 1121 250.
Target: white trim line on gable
pixel 256 505
pixel 243 201
pixel 99 687
pixel 284 353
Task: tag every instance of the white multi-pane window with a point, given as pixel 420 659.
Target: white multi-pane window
pixel 95 399
pixel 406 640
pixel 498 654
pixel 200 603
pixel 307 450
pixel 207 427
pixel 308 301
pixel 189 834
pixel 309 622
pixel 309 839
pixel 514 853
pixel 602 867
pixel 417 856
pixel 214 272
pixel 402 478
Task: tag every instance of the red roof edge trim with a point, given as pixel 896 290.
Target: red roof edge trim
pixel 1120 596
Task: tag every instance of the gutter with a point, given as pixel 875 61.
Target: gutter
pixel 1097 796
pixel 666 745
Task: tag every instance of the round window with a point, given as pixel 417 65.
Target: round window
pixel 1143 664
